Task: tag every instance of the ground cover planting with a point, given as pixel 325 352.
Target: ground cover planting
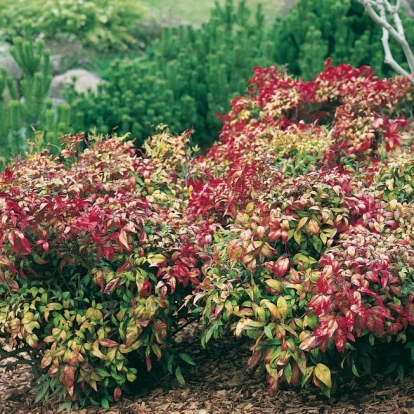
pixel 293 231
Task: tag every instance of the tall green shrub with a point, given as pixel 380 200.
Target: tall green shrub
pixel 188 76
pixel 24 105
pixel 317 29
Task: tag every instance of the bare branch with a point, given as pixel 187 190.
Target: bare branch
pixel 389 59
pixel 380 17
pixel 391 8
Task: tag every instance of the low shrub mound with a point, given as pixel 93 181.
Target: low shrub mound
pixel 294 231
pixel 96 257
pixel 314 259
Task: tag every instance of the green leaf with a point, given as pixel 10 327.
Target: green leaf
pixel 288 373
pixel 185 357
pixel 400 372
pixel 323 374
pixel 179 376
pixel 65 407
pixel 326 390
pixel 274 284
pixel 170 363
pixel 317 243
pixel 132 333
pixel 297 237
pixel 155 259
pixel 54 306
pixel 306 376
pixel 42 392
pixel 366 363
pixel 209 334
pixel 301 223
pixel 131 376
pixel 301 258
pixel 253 324
pixel 283 307
pixel 38 259
pixel 268 332
pixel 105 403
pixel 354 369
pixel 102 373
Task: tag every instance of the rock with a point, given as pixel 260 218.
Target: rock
pixel 57 62
pixel 84 82
pixel 13 70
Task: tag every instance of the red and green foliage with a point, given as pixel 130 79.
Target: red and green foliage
pixel 96 256
pixel 291 122
pixel 317 253
pixel 295 230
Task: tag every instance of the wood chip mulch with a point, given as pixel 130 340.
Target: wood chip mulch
pixel 221 384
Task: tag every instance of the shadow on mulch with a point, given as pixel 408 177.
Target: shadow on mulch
pixel 220 383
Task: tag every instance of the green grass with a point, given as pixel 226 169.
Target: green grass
pixel 198 11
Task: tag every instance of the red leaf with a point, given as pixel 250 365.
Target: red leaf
pixel 13 285
pixel 67 378
pixel 25 245
pixel 125 266
pixel 254 359
pixel 117 394
pixel 340 340
pixel 108 343
pixel 45 246
pixel 148 363
pixel 112 285
pixel 123 238
pixel 11 238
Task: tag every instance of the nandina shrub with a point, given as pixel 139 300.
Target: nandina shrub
pixel 293 151
pixel 298 241
pixel 262 237
pixel 313 265
pixel 361 110
pixel 266 264
pixel 96 258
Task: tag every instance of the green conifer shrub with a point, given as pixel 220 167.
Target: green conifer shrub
pixel 189 76
pixel 26 107
pixel 314 30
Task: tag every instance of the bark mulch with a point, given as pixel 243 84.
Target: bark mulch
pixel 220 383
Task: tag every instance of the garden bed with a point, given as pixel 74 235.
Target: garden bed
pixel 220 383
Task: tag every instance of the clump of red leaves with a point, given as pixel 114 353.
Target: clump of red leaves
pixel 96 256
pixel 314 256
pixel 360 110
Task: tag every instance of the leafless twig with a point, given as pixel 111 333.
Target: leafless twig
pixel 379 10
